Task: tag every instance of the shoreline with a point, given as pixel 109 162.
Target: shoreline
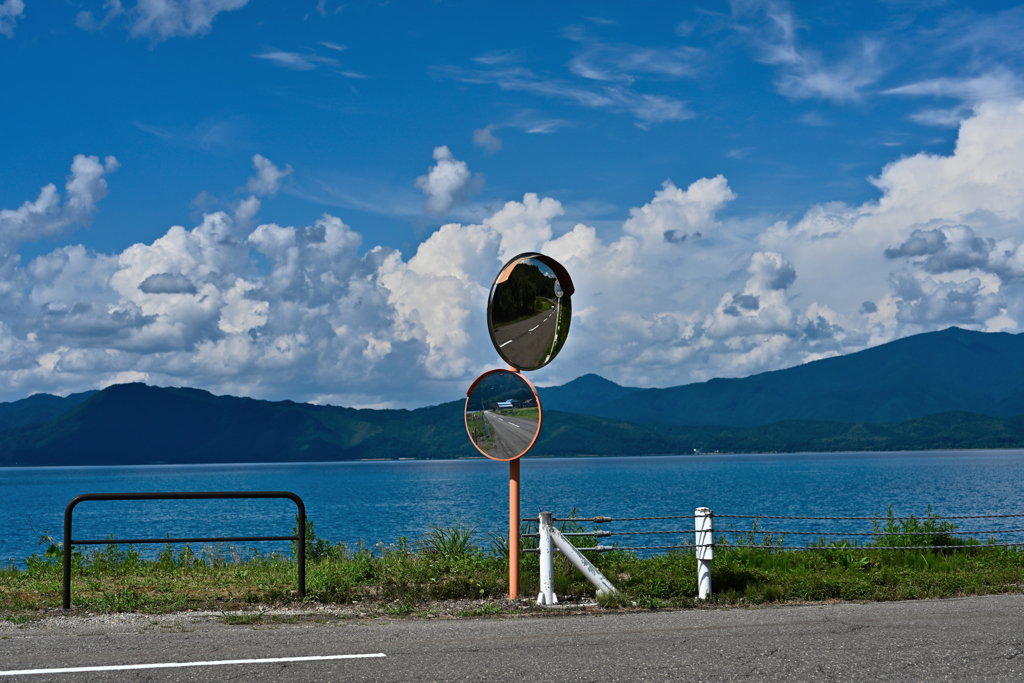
pixel 596 456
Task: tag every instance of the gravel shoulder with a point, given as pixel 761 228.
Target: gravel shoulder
pixel 85 622
pixel 955 639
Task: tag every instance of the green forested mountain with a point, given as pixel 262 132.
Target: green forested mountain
pixel 135 424
pixel 582 394
pixel 950 389
pixel 37 408
pixel 951 370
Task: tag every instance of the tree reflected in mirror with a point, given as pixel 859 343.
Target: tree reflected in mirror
pixel 529 311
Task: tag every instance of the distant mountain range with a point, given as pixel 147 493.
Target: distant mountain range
pixel 951 370
pixel 135 423
pixel 949 389
pixel 37 409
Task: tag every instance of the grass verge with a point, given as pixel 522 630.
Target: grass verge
pixel 480 431
pixel 525 413
pixel 451 563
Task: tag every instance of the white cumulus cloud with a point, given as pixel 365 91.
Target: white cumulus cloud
pixel 679 294
pixel 935 228
pixel 445 182
pixel 47 215
pixel 268 178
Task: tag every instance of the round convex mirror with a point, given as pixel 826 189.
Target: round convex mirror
pixel 529 310
pixel 503 414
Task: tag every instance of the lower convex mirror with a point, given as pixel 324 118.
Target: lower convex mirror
pixel 502 414
pixel 529 310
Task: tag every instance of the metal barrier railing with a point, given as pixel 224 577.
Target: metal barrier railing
pixel 69 543
pixel 772 539
pixel 601 533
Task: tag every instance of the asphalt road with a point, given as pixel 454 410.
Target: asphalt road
pixel 962 639
pixel 512 435
pixel 526 343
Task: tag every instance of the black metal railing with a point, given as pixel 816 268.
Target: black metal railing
pixel 69 543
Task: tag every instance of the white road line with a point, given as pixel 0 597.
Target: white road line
pixel 507 343
pixel 533 328
pixel 171 665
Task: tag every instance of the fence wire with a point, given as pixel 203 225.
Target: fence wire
pixel 768 535
pixel 775 532
pixel 938 517
pixel 869 547
pixel 602 520
pixel 835 533
pixel 606 549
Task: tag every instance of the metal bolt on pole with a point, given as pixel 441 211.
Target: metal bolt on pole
pixel 704 541
pixel 547 563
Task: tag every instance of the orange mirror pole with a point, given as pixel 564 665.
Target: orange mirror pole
pixel 513 529
pixel 485 438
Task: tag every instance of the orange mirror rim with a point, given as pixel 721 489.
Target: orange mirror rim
pixel 560 272
pixel 540 413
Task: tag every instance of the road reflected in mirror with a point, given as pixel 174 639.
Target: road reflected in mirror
pixel 503 414
pixel 529 312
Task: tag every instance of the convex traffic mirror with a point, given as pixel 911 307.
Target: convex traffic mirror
pixel 503 414
pixel 529 310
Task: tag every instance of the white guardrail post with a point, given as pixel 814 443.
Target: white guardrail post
pixel 547 563
pixel 550 536
pixel 705 541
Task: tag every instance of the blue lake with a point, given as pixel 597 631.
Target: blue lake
pixel 383 500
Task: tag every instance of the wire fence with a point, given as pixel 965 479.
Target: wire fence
pixel 600 519
pixel 890 532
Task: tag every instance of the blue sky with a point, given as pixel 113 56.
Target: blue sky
pixel 265 130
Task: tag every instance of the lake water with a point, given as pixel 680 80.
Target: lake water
pixel 382 500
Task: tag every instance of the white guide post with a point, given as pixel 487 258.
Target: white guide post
pixel 705 550
pixel 547 563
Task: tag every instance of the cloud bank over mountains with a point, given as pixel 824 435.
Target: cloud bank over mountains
pixel 678 294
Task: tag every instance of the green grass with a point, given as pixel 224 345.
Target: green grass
pixel 451 541
pixel 482 436
pixel 525 413
pixel 484 610
pixel 453 561
pixel 18 619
